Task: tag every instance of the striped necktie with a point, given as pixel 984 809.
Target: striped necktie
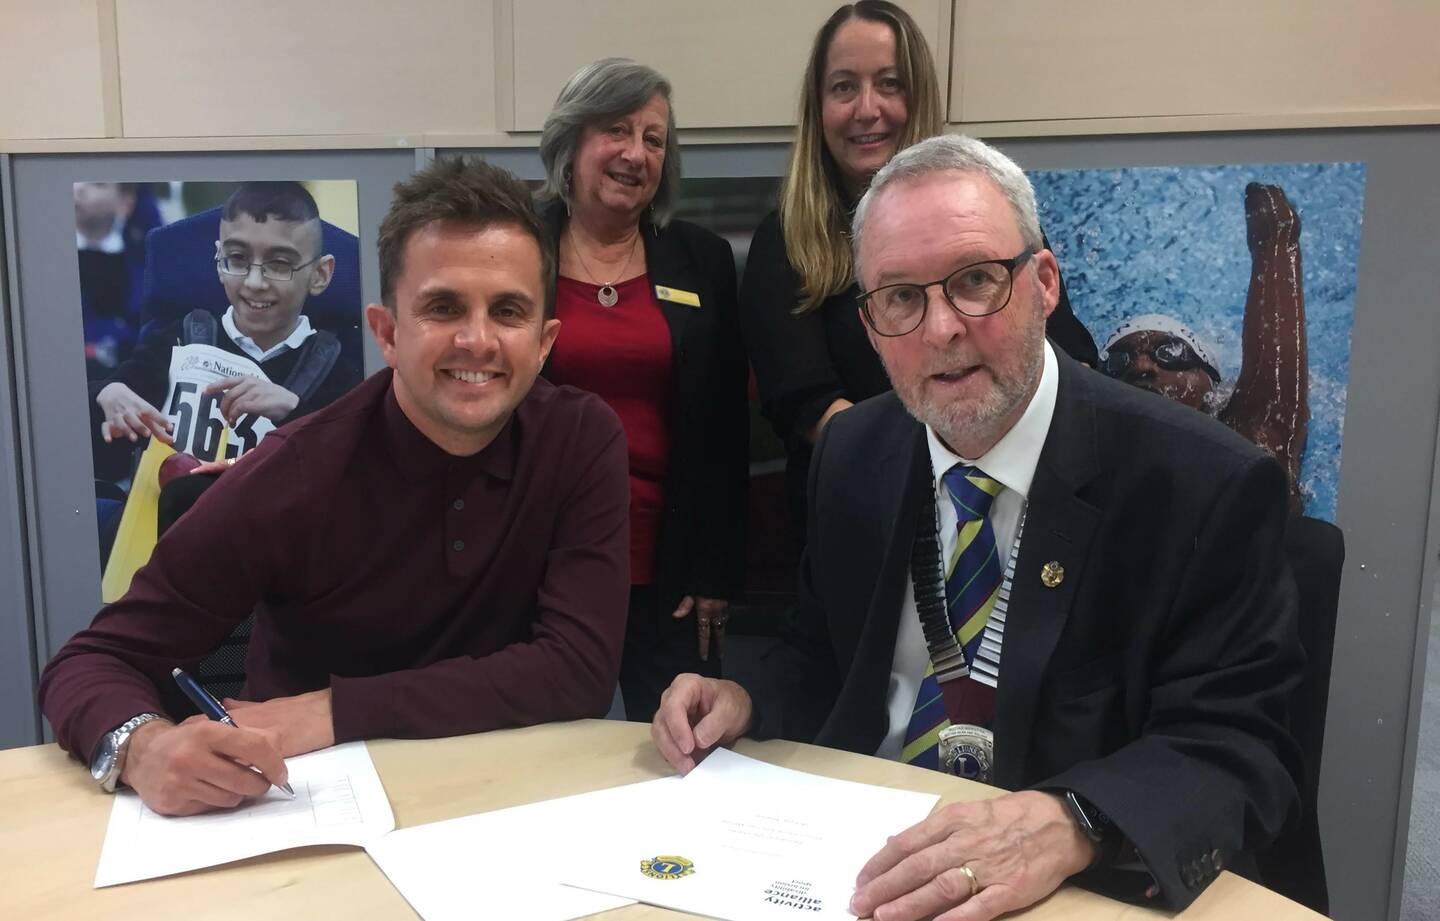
pixel 972 584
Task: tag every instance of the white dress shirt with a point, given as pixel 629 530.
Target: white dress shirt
pixel 297 337
pixel 1011 462
pixel 113 242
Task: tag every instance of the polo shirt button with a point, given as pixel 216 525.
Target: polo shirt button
pixel 458 504
pixel 1217 859
pixel 458 546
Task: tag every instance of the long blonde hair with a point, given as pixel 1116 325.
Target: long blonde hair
pixel 813 218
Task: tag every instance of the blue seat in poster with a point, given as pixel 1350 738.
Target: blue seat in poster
pixel 180 276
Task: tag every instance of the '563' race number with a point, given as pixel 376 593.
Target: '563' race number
pixel 199 425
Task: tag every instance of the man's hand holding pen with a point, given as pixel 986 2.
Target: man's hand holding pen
pixel 200 765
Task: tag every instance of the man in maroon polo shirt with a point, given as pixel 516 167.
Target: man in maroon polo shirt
pixel 444 550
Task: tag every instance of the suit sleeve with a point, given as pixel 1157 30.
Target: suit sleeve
pixel 798 682
pixel 719 569
pixel 794 370
pixel 1213 772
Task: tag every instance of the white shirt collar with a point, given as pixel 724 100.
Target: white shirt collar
pixel 298 335
pixel 1011 460
pixel 113 242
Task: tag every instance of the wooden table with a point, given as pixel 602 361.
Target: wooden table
pixel 53 818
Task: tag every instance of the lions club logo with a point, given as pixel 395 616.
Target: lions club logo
pixel 667 866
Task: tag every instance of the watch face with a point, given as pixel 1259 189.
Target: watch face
pixel 104 759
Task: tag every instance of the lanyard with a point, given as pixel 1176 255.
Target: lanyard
pixel 927 575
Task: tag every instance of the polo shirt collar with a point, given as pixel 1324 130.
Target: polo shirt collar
pixel 419 458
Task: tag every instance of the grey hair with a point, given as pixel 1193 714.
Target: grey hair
pixel 957 152
pixel 609 88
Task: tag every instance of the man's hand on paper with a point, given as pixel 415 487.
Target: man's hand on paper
pixel 299 724
pixel 695 715
pixel 246 394
pixel 199 765
pixel 128 416
pixel 1020 848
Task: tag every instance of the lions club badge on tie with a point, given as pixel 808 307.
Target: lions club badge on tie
pixel 667 866
pixel 967 751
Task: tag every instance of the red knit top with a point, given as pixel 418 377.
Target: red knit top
pixel 622 354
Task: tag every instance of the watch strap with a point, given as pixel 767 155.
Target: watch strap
pixel 1096 826
pixel 117 741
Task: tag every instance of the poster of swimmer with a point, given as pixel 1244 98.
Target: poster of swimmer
pixel 213 312
pixel 1228 288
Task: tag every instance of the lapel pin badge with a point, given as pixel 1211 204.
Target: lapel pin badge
pixel 1052 574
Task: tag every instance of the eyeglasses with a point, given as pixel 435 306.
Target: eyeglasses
pixel 976 290
pixel 1171 353
pixel 273 269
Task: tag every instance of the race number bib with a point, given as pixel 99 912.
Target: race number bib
pixel 200 430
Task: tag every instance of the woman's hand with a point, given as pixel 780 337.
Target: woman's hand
pixel 838 406
pixel 710 617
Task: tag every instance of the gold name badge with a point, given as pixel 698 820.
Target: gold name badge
pixel 675 295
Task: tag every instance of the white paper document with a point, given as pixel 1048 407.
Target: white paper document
pixel 338 800
pixel 744 840
pixel 507 863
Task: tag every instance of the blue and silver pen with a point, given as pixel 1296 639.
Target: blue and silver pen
pixel 210 706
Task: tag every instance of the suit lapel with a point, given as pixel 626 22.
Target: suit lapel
pixel 1059 528
pixel 904 492
pixel 866 633
pixel 669 265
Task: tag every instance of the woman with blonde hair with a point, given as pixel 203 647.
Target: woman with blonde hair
pixel 869 91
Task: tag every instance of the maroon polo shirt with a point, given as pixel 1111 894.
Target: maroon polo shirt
pixel 434 595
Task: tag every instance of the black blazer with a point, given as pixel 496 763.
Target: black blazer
pixel 701 548
pixel 1152 680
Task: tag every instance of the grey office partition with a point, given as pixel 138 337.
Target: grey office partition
pixel 1388 469
pixel 59 482
pixel 1388 473
pixel 1392 425
pixel 1388 466
pixel 19 724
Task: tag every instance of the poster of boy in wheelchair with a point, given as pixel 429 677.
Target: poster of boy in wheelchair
pixel 248 319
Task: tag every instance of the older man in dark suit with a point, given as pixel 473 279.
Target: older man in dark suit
pixel 1025 573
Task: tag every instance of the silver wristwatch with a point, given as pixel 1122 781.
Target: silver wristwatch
pixel 109 756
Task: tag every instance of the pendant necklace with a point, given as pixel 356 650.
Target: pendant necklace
pixel 607 295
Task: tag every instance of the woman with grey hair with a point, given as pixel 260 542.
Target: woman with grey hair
pixel 647 307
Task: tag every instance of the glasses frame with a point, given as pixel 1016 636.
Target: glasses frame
pixel 220 261
pixel 1010 265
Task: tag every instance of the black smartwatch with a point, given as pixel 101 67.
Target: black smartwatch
pixel 1096 826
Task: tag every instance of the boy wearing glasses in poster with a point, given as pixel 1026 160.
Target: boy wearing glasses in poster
pixel 212 388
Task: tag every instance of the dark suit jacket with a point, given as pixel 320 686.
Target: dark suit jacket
pixel 702 532
pixel 1152 680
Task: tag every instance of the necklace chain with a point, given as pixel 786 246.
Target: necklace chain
pixel 606 295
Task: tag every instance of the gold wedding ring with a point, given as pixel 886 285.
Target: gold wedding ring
pixel 974 883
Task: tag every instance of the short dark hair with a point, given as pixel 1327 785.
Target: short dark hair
pixel 466 191
pixel 287 201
